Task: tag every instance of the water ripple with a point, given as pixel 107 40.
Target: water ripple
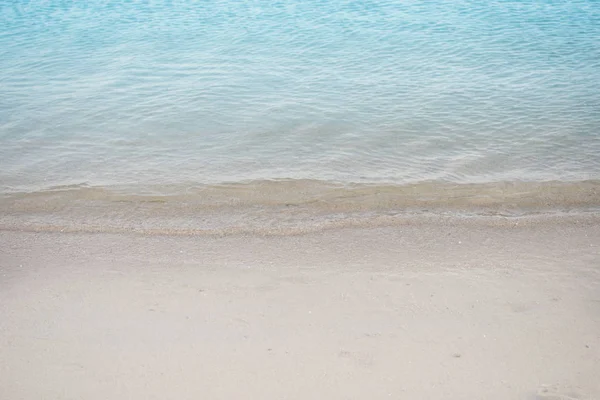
pixel 362 91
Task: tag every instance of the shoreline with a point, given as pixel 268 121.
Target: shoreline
pixel 440 311
pixel 292 207
pixel 195 226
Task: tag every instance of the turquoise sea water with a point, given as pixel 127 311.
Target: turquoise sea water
pixel 166 93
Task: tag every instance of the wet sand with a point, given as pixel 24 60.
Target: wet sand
pixel 418 311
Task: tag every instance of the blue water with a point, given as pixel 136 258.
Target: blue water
pixel 168 92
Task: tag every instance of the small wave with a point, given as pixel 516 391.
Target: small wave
pixel 286 206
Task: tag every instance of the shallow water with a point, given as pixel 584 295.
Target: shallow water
pixel 180 93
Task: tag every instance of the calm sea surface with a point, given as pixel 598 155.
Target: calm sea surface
pixel 168 94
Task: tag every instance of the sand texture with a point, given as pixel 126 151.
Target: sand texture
pixel 422 311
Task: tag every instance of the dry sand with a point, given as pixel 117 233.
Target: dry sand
pixel 422 311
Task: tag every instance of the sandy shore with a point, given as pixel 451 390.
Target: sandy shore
pixel 423 311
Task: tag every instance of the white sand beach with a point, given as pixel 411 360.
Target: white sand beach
pixel 421 311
